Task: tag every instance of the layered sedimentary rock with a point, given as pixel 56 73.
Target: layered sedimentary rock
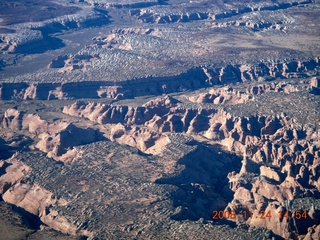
pixel 142 138
pixel 121 117
pixel 227 95
pixel 15 189
pixel 164 15
pixel 281 161
pixel 238 134
pixel 56 139
pixel 272 87
pixel 193 79
pixel 221 96
pixel 130 186
pixel 315 85
pixel 212 123
pixel 35 36
pixel 13 226
pixel 103 113
pixel 124 4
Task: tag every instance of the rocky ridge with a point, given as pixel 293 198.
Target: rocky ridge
pixel 56 139
pixel 163 15
pixel 236 127
pixel 276 154
pixel 37 35
pixel 227 95
pixel 193 79
pixel 72 211
pixel 124 4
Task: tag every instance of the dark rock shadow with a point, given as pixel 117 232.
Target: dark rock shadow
pixel 41 46
pixel 203 185
pixel 163 2
pixel 4 167
pixel 30 220
pixel 50 42
pixel 2 64
pixel 5 150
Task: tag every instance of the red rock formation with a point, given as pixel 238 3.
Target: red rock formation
pixel 195 78
pixel 144 139
pixel 224 95
pixel 281 161
pixel 104 114
pixel 56 139
pixel 34 198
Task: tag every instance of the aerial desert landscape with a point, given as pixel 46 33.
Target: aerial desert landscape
pixel 159 119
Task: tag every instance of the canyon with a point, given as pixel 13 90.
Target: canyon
pixel 193 79
pixel 160 119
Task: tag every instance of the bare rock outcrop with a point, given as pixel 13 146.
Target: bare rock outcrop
pixel 254 24
pixel 279 163
pixel 315 85
pixel 144 139
pixel 56 139
pixel 14 42
pixel 119 119
pixel 152 15
pixel 70 62
pixel 222 96
pixel 313 233
pixel 123 4
pixel 142 31
pixel 34 198
pixel 59 144
pixel 228 95
pixel 272 87
pixel 240 132
pixel 194 78
pixel 104 114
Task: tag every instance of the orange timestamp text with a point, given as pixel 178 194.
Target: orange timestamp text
pixel 297 214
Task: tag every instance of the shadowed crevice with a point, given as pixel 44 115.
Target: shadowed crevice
pixel 203 185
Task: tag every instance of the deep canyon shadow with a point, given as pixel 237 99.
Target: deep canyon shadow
pixel 203 185
pixel 47 43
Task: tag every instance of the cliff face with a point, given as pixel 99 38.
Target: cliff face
pixel 280 160
pixel 183 150
pixel 124 117
pixel 193 79
pixel 36 36
pixel 234 126
pixel 221 96
pixel 230 96
pixel 152 16
pixel 103 113
pixel 256 135
pixel 17 190
pixel 133 4
pixel 56 139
